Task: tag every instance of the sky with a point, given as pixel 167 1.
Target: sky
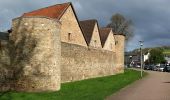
pixel 151 18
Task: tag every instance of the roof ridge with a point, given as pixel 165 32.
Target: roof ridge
pixel 58 10
pixel 48 7
pixel 65 9
pixel 89 20
pixel 105 28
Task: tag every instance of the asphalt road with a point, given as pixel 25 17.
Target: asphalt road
pixel 155 86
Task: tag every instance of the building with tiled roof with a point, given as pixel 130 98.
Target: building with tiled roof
pixel 90 30
pixel 107 39
pixel 70 29
pixel 55 11
pixel 49 46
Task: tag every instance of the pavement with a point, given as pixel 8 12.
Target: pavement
pixel 155 86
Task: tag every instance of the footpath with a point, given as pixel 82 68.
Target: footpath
pixel 155 86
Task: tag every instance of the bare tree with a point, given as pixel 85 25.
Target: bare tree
pixel 120 25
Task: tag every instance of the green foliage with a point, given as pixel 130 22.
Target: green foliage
pixel 90 89
pixel 120 25
pixel 156 56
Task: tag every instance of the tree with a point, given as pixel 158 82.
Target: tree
pixel 120 25
pixel 156 56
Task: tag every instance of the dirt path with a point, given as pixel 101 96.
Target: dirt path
pixel 156 86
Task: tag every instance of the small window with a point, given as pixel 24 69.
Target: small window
pixel 116 42
pixel 95 43
pixel 69 36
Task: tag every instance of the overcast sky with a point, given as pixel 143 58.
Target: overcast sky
pixel 151 18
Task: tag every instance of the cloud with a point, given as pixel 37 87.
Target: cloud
pixel 150 17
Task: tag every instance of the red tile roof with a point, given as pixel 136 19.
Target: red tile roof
pixel 87 27
pixel 55 11
pixel 104 33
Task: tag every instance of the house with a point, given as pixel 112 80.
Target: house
pixel 90 30
pixel 146 56
pixel 107 39
pixel 70 28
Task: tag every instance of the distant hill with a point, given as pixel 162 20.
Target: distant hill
pixel 166 50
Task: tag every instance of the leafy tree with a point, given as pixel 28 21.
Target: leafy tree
pixel 156 56
pixel 120 25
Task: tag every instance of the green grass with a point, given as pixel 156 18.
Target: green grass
pixel 90 89
pixel 166 52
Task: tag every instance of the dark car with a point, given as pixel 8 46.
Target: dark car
pixel 149 67
pixel 166 69
pixel 146 67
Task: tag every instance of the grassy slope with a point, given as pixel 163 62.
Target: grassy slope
pixel 91 89
pixel 166 51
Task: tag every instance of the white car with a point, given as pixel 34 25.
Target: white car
pixel 137 66
pixel 161 68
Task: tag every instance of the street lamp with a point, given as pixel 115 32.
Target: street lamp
pixel 141 58
pixel 130 61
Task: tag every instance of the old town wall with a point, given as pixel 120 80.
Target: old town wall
pixel 80 63
pixel 119 58
pixel 35 49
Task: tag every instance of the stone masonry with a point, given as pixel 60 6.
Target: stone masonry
pixel 47 49
pixel 35 54
pixel 80 63
pixel 70 26
pixel 119 58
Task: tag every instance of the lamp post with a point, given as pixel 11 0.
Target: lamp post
pixel 130 61
pixel 141 57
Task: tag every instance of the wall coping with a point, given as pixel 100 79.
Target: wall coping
pixel 38 17
pixel 88 48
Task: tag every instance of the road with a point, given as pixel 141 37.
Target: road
pixel 155 86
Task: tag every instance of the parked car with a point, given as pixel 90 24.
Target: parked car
pixel 167 68
pixel 150 67
pixel 161 68
pixel 146 67
pixel 137 66
pixel 155 68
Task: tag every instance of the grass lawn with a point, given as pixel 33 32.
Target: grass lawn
pixel 90 89
pixel 166 51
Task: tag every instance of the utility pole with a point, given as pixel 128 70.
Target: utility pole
pixel 141 58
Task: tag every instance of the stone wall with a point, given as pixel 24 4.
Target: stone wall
pixel 39 60
pixel 4 53
pixel 6 73
pixel 80 63
pixel 35 51
pixel 120 44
